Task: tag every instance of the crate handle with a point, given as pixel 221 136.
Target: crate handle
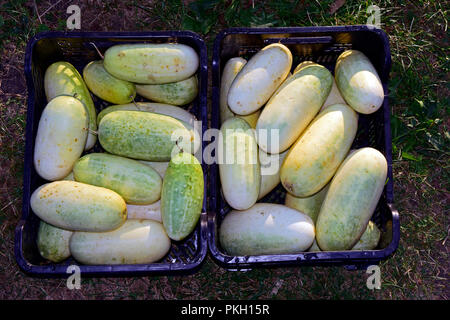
pixel 300 40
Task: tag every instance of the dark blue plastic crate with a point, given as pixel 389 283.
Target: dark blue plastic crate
pixel 75 47
pixel 322 45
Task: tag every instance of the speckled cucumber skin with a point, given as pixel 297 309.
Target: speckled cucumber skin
pixel 351 200
pixel 358 82
pixel 78 206
pixel 317 154
pixel 334 97
pixel 60 138
pixel 259 78
pixel 309 205
pixel 176 93
pixel 182 196
pixel 135 242
pixel 239 168
pixel 53 242
pixel 143 135
pixel 136 182
pixel 152 63
pixel 302 65
pixel 266 228
pixel 161 108
pixel 269 181
pixel 230 70
pixel 369 239
pixel 146 212
pixel 62 78
pixel 293 106
pixel 107 87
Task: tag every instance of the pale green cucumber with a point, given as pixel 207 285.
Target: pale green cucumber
pixel 78 206
pixel 146 212
pixel 270 171
pixel 358 82
pixel 107 87
pixel 266 228
pixel 136 182
pixel 259 78
pixel 61 78
pixel 176 93
pixel 135 242
pixel 351 199
pixel 53 242
pixel 317 154
pixel 239 168
pixel 151 63
pixel 61 137
pixel 309 205
pixel 182 195
pixel 145 135
pixel 369 239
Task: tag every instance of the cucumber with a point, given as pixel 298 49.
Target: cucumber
pixel 151 63
pixel 259 78
pixel 176 93
pixel 309 205
pixel 61 78
pixel 270 171
pixel 61 137
pixel 317 154
pixel 266 228
pixel 107 87
pixel 144 135
pixel 358 82
pixel 165 109
pixel 135 242
pixel 69 177
pixel 136 182
pixel 293 107
pixel 78 206
pixel 182 196
pixel 146 212
pixel 369 239
pixel 230 70
pixel 53 242
pixel 239 168
pixel 351 199
pixel 314 247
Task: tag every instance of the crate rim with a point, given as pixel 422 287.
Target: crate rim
pixel 54 270
pixel 314 258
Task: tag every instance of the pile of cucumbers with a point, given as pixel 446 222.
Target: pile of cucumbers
pixel 125 205
pixel 331 191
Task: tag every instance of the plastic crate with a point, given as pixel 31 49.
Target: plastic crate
pixel 322 45
pixel 75 47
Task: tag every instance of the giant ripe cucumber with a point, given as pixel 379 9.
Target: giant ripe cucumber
pixel 151 63
pixel 351 199
pixel 266 228
pixel 358 82
pixel 61 137
pixel 292 107
pixel 78 206
pixel 107 87
pixel 239 168
pixel 136 182
pixel 317 154
pixel 182 195
pixel 135 242
pixel 259 78
pixel 145 135
pixel 62 78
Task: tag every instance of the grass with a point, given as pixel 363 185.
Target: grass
pixel 419 98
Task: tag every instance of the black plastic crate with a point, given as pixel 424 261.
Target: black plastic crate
pixel 76 47
pixel 322 45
